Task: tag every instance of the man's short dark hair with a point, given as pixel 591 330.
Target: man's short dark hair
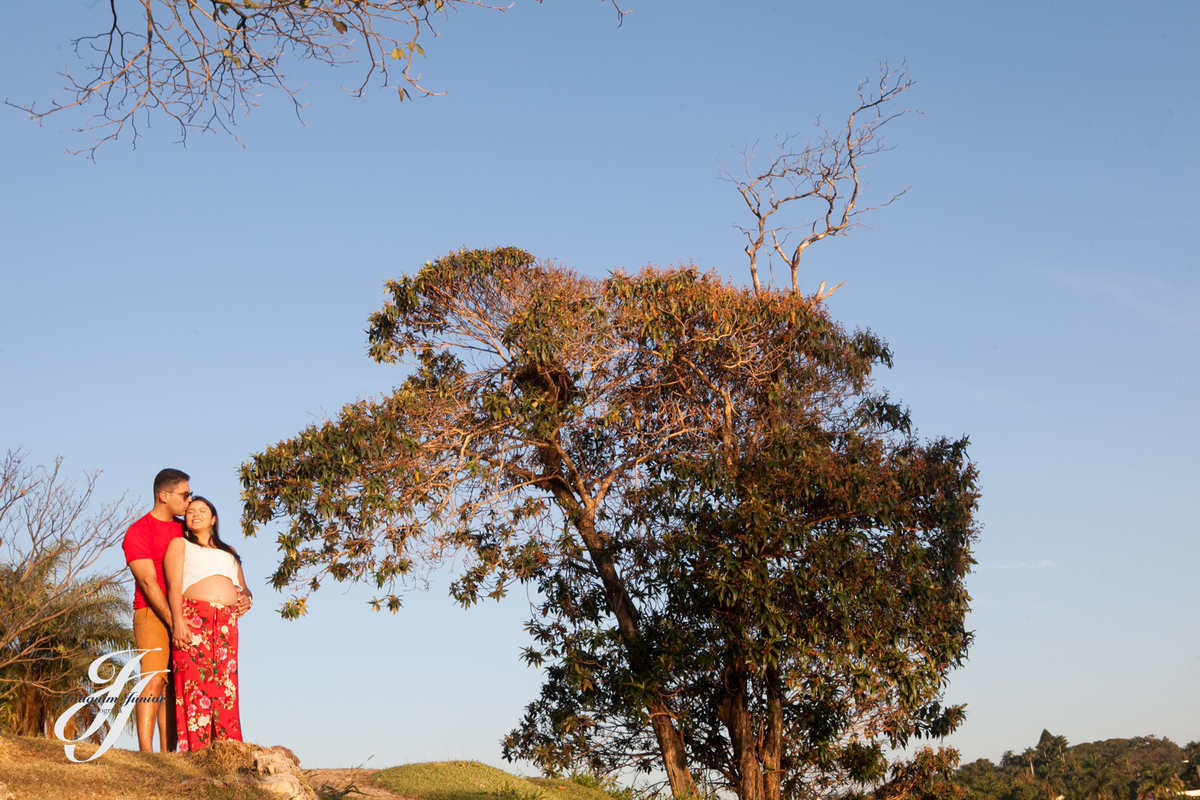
pixel 168 479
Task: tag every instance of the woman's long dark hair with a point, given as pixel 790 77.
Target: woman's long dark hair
pixel 215 536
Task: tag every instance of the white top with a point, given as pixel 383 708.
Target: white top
pixel 204 562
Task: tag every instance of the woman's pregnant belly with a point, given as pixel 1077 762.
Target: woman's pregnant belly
pixel 213 589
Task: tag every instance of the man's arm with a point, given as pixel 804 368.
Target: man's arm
pixel 245 598
pixel 147 580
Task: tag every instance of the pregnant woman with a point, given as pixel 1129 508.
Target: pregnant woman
pixel 206 592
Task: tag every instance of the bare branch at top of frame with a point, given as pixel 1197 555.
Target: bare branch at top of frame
pixel 200 62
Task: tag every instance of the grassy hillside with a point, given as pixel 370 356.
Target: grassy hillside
pixel 470 780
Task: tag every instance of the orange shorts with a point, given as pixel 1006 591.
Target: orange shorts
pixel 150 634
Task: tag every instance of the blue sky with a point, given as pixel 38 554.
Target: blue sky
pixel 189 305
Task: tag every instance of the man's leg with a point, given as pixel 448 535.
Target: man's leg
pixel 164 728
pixel 151 634
pixel 151 709
pixel 169 702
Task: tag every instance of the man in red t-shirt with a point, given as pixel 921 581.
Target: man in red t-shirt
pixel 145 545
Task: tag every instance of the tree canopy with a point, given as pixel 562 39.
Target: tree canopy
pixel 749 569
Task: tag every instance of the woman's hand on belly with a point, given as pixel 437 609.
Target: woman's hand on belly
pixel 213 589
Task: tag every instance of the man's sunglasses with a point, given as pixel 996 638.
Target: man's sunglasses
pixel 185 495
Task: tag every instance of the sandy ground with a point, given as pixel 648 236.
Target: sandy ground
pixel 340 778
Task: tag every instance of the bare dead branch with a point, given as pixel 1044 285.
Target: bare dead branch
pixel 824 173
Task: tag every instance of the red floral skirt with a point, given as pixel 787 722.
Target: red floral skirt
pixel 206 678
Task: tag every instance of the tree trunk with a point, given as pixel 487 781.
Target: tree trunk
pixel 771 754
pixel 670 744
pixel 733 709
pixel 662 720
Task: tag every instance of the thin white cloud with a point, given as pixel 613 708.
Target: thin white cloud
pixel 1148 295
pixel 994 398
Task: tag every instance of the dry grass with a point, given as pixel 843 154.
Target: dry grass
pixel 225 758
pixel 37 769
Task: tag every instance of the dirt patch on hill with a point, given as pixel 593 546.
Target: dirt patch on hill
pixel 339 779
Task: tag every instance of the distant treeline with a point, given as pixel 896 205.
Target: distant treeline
pixel 1141 768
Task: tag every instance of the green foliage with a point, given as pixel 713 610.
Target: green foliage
pixel 732 536
pixel 93 622
pixel 1115 769
pixel 929 775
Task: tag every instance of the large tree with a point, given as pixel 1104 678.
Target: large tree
pixel 748 570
